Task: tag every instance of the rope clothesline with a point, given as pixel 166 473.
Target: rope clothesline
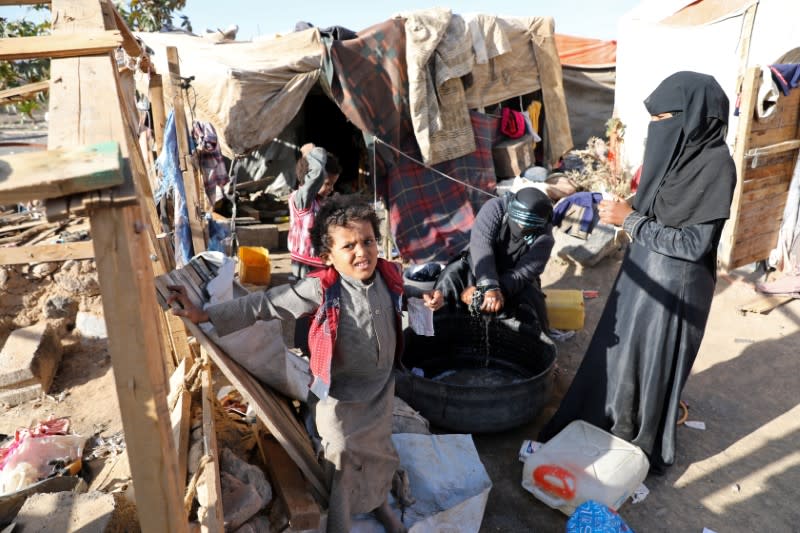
pixel 417 161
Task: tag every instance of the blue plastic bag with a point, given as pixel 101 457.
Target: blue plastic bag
pixel 594 517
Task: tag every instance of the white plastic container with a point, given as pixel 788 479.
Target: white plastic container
pixel 584 463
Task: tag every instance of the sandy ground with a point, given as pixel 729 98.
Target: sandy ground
pixel 739 474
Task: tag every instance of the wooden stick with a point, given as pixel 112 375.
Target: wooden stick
pixel 44 253
pixel 24 90
pixel 54 46
pixel 214 521
pixel 301 508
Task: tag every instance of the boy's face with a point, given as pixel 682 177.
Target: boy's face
pixel 354 250
pixel 327 185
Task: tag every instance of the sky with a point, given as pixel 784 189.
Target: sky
pixel 585 18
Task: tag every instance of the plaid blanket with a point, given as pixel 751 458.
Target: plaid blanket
pixel 430 215
pixel 370 82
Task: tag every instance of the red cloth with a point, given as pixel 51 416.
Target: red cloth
pixel 322 333
pixel 636 177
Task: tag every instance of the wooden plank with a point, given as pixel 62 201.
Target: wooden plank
pixel 156 91
pixel 49 174
pixel 21 227
pixel 214 521
pixel 87 43
pixel 773 135
pixel 24 90
pixel 760 247
pixel 84 109
pixel 271 410
pixel 301 508
pixel 765 168
pixel 180 402
pixel 193 201
pixel 778 179
pixel 45 253
pixel 129 42
pixel 765 192
pixel 772 149
pixel 763 231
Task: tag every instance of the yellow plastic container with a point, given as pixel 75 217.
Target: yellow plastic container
pixel 254 265
pixel 565 308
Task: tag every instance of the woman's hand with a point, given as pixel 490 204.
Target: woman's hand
pixel 492 301
pixel 613 211
pixel 466 295
pixel 187 309
pixel 433 300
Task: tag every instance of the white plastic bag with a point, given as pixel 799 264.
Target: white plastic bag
pixel 29 462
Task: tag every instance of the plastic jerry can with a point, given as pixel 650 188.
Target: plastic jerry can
pixel 584 463
pixel 565 308
pixel 254 265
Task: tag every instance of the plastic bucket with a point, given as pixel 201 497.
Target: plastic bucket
pixel 254 265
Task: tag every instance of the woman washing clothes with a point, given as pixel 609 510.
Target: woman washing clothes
pixel 631 377
pixel 509 246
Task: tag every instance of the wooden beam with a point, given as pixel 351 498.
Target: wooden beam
pixel 157 107
pixel 85 109
pixel 24 90
pixel 301 508
pixel 49 174
pixel 54 46
pixel 749 92
pixel 180 402
pixel 45 253
pixel 193 201
pixel 214 521
pixel 270 409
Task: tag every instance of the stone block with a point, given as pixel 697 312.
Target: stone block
pixel 30 356
pixel 600 243
pixel 68 512
pixel 20 394
pixel 265 235
pixel 91 325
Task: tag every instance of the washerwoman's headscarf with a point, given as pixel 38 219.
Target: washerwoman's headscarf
pixel 688 175
pixel 529 212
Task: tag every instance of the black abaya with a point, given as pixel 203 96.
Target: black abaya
pixel 631 378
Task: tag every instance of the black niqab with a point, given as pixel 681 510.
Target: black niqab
pixel 683 179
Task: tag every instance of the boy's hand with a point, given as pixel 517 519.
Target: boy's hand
pixel 187 309
pixel 306 149
pixel 433 300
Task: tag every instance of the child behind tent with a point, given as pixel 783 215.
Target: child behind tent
pixel 355 340
pixel 317 172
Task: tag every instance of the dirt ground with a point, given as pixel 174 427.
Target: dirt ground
pixel 739 475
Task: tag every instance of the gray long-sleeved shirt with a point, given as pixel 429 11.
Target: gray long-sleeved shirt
pixel 314 178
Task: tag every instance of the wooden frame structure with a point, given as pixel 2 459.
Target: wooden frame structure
pixel 95 166
pixel 765 153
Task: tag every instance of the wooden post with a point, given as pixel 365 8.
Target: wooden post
pixel 747 105
pixel 193 200
pixel 157 108
pixel 85 108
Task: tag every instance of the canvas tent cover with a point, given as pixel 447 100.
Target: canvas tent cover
pixel 660 37
pixel 250 91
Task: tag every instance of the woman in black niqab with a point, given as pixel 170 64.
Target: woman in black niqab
pixel 642 351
